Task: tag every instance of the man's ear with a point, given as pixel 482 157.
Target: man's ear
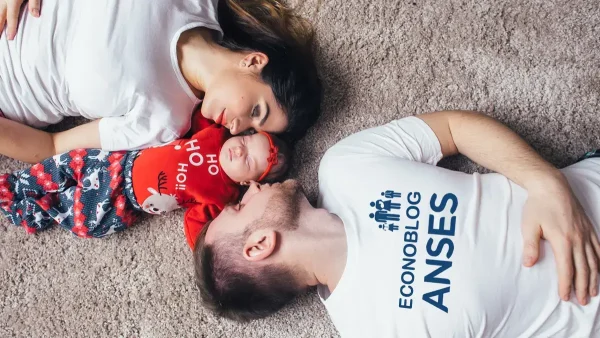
pixel 260 245
pixel 254 61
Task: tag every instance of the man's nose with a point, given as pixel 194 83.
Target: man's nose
pixel 253 185
pixel 253 189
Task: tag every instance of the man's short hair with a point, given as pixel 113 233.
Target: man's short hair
pixel 237 289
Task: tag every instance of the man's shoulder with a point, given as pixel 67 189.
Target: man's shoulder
pixel 406 139
pixel 334 159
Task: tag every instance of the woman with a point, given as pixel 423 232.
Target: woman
pixel 140 67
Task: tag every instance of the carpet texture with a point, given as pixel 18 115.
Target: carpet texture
pixel 535 65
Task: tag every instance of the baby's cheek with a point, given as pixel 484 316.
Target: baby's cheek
pixel 258 173
pixel 237 172
pixel 249 175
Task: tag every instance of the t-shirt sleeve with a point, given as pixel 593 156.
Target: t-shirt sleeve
pixel 409 138
pixel 142 127
pixel 195 219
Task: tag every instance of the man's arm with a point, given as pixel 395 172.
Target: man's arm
pixel 551 211
pixel 31 145
pixel 490 144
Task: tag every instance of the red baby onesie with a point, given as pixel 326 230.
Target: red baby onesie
pixel 185 173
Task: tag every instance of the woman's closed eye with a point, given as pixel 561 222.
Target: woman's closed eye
pixel 255 112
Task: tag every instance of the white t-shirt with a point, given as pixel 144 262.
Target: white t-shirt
pixel 109 59
pixel 437 253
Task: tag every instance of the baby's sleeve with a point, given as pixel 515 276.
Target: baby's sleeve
pixel 199 123
pixel 195 219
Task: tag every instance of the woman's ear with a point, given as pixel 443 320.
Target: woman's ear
pixel 260 245
pixel 254 61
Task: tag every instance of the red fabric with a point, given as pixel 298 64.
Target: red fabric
pixel 187 170
pixel 199 122
pixel 194 220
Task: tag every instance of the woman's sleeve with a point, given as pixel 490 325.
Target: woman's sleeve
pixel 142 127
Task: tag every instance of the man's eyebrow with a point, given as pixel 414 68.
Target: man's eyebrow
pixel 264 119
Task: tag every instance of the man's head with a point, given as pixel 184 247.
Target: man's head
pixel 239 269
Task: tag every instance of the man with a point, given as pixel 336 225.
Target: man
pixel 402 248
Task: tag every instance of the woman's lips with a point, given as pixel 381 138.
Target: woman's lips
pixel 221 118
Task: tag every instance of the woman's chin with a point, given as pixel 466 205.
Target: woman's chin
pixel 206 114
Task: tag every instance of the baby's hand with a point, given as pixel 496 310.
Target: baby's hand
pixel 9 14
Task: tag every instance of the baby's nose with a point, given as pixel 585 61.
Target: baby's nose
pixel 238 151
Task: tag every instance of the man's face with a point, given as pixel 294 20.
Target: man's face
pixel 276 206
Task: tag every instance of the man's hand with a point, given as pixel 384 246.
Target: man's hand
pixel 553 212
pixel 9 14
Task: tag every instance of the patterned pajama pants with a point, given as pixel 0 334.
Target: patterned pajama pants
pixel 590 154
pixel 85 191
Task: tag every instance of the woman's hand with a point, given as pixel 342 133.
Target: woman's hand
pixel 9 14
pixel 27 144
pixel 553 212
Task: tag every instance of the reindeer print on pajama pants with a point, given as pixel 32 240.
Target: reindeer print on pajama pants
pixel 84 191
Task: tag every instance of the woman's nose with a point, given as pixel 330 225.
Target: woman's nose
pixel 233 129
pixel 239 125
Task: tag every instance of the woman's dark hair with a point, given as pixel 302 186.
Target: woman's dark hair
pixel 270 27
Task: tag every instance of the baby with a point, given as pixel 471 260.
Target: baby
pixel 94 193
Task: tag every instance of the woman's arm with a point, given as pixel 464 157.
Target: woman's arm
pixel 31 145
pixel 551 211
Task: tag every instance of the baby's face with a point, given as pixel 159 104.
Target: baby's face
pixel 245 158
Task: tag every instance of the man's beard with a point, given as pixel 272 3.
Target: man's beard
pixel 283 208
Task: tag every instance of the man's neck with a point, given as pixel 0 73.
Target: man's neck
pixel 321 250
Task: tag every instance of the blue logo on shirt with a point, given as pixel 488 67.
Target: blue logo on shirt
pixel 385 211
pixel 439 247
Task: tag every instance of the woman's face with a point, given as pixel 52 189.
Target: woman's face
pixel 239 100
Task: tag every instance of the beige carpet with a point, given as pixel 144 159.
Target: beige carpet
pixel 534 64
